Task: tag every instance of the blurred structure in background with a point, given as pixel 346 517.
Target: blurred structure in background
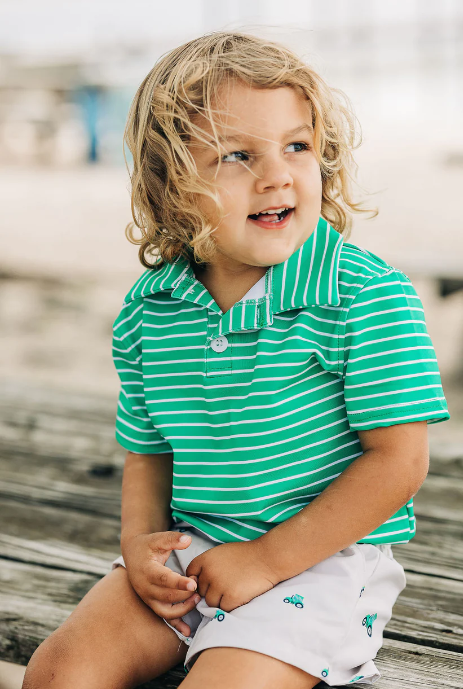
pixel 68 72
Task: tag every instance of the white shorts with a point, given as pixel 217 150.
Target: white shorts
pixel 328 620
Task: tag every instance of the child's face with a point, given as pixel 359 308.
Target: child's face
pixel 286 175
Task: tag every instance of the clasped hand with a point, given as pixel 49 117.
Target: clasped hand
pixel 232 574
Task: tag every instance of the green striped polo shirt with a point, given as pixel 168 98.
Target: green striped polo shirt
pixel 261 405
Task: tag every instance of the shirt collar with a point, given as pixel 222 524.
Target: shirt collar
pixel 308 277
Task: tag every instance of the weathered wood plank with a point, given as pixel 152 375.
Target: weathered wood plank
pixel 430 612
pixel 34 601
pixel 22 395
pixel 51 433
pixel 437 549
pixel 440 497
pixel 45 523
pixel 64 464
pixel 446 459
pixel 55 554
pixel 410 666
pixel 40 489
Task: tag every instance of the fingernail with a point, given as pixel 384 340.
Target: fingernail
pixel 191 586
pixel 184 539
pixel 197 599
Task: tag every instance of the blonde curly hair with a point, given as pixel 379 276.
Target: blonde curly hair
pixel 184 84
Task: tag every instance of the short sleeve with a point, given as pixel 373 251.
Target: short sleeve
pixel 134 428
pixel 390 368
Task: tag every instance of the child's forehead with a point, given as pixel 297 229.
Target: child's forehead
pixel 266 110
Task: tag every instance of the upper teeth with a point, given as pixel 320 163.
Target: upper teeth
pixel 277 210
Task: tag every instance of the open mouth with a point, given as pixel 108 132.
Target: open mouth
pixel 271 218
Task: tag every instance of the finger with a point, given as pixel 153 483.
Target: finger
pixel 173 612
pixel 169 596
pixel 195 568
pixel 163 542
pixel 212 598
pixel 203 590
pixel 180 626
pixel 165 577
pixel 180 540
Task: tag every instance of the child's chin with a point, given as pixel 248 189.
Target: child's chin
pixel 271 255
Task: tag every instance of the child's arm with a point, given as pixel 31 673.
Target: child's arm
pixel 146 495
pixel 146 539
pixel 390 471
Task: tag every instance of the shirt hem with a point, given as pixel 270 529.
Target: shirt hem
pixel 141 449
pixel 418 413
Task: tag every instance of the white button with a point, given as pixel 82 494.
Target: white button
pixel 220 344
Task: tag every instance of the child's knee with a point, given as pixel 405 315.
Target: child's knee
pixel 55 660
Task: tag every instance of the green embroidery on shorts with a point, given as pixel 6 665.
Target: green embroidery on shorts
pixel 325 672
pixel 219 615
pixel 356 679
pixel 363 589
pixel 368 622
pixel 296 600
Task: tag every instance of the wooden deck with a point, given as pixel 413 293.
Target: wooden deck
pixel 60 477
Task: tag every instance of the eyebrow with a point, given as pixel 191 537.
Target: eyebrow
pixel 244 137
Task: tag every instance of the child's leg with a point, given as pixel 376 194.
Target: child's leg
pixel 112 640
pixel 239 668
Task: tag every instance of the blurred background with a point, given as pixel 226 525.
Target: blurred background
pixel 68 72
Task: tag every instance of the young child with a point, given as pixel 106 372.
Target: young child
pixel 276 384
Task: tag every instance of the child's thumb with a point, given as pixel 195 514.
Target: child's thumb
pixel 183 540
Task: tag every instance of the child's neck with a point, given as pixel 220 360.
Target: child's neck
pixel 225 285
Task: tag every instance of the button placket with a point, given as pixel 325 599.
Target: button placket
pixel 220 344
pixel 217 352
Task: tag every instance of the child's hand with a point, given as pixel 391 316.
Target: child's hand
pixel 167 593
pixel 232 574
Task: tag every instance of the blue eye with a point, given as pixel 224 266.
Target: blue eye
pixel 234 153
pixel 300 143
pixel 246 155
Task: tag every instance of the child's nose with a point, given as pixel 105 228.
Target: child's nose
pixel 274 173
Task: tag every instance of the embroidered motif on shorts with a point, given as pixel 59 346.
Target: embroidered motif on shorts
pixel 368 622
pixel 325 672
pixel 219 615
pixel 296 600
pixel 356 679
pixel 363 589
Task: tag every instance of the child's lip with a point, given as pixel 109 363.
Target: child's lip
pixel 273 225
